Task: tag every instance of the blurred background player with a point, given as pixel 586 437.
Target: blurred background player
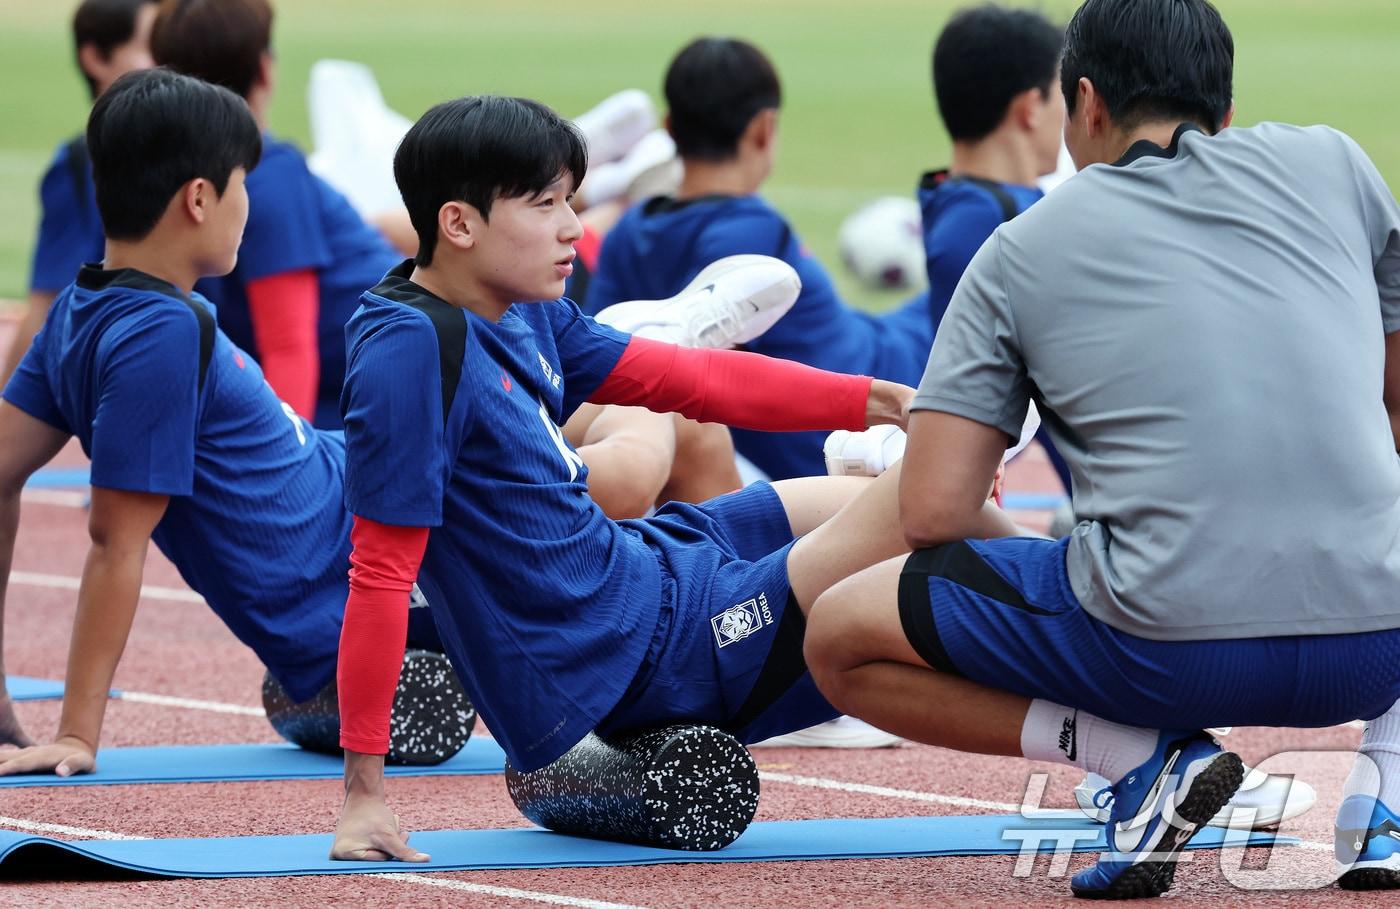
pixel 723 97
pixel 306 255
pixel 110 39
pixel 994 75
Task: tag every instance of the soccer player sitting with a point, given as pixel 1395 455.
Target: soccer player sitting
pixel 1230 568
pixel 307 255
pixel 110 38
pixel 559 620
pixel 189 445
pixel 723 97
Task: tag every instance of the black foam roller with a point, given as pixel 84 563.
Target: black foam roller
pixel 431 719
pixel 678 787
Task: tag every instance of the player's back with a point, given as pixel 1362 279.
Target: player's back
pixel 1207 325
pixel 254 522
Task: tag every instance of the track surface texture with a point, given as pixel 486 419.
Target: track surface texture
pixel 178 648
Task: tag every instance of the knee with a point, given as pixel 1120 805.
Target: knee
pixel 704 445
pixel 827 647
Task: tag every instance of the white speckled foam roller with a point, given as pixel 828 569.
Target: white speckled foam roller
pixel 679 787
pixel 431 720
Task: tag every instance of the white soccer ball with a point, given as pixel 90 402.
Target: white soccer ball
pixel 882 244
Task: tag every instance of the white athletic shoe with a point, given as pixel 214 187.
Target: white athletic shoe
pixel 732 301
pixel 868 453
pixel 617 123
pixel 1264 800
pixel 842 732
pixel 650 168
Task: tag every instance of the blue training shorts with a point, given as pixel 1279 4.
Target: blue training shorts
pixel 1001 613
pixel 727 650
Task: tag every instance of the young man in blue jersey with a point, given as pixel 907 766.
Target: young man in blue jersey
pixel 723 97
pixel 191 448
pixel 1205 586
pixel 307 255
pixel 994 72
pixel 559 620
pixel 110 38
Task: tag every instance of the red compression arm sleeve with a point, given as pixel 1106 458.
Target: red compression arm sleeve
pixel 735 388
pixel 588 247
pixel 284 309
pixel 383 566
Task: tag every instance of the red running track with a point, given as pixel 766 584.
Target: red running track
pixel 178 648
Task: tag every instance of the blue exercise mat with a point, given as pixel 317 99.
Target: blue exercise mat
pixel 24 688
pixel 58 478
pixel 229 763
pixel 1031 501
pixel 461 850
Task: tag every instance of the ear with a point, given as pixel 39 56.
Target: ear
pixel 1027 109
pixel 92 62
pixel 459 225
pixel 1095 112
pixel 763 128
pixel 267 71
pixel 1229 117
pixel 197 198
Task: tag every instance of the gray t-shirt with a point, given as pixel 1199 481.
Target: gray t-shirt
pixel 1203 327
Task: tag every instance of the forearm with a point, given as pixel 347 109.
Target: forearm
pixel 9 527
pixel 107 598
pixel 285 310
pixel 735 388
pixel 984 522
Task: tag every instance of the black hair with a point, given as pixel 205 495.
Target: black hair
pixel 714 88
pixel 985 57
pixel 106 25
pixel 1151 60
pixel 154 131
pixel 479 149
pixel 219 41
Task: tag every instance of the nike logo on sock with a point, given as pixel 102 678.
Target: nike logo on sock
pixel 1069 738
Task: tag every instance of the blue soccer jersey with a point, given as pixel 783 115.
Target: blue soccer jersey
pixel 296 221
pixel 255 522
pixel 70 229
pixel 959 214
pixel 545 606
pixel 659 246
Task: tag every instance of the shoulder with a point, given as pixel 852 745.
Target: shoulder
pixel 282 163
pixel 382 322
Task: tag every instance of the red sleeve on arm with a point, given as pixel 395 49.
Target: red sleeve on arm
pixel 284 309
pixel 588 246
pixel 739 389
pixel 383 566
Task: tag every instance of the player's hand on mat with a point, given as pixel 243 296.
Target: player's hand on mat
pixel 888 404
pixel 369 832
pixel 11 732
pixel 64 757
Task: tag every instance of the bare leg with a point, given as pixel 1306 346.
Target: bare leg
pixel 629 452
pixel 704 465
pixel 862 661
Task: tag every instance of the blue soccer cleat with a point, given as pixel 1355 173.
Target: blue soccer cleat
pixel 1157 808
pixel 1367 845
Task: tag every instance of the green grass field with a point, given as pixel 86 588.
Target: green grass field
pixel 858 118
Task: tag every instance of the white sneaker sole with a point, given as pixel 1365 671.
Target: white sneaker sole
pixel 842 732
pixel 730 302
pixel 1263 801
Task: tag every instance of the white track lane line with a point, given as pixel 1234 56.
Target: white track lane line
pixel 81 833
pixel 505 892
pixel 66 582
pixel 64 497
pixel 421 880
pixel 885 791
pixel 165 700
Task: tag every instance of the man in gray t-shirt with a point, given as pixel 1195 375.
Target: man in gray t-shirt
pixel 1209 323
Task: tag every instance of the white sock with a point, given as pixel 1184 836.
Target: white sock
pixel 1381 743
pixel 1064 735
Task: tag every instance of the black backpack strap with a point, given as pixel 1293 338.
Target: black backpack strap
pixel 207 327
pixel 936 178
pixel 451 328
